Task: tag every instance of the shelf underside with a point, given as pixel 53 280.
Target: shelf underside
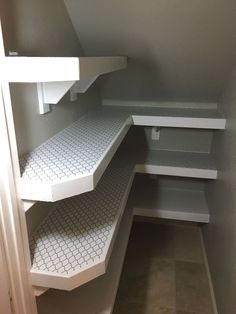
pixel 151 200
pixel 72 162
pixel 73 244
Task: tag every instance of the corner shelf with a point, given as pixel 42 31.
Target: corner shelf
pixel 169 203
pixel 72 161
pixel 102 290
pixel 73 244
pixel 173 163
pixel 175 117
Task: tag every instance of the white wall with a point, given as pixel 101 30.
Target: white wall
pixel 178 49
pixel 41 28
pixel 220 234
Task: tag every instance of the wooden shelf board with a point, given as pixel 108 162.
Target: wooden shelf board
pixel 169 203
pixel 102 290
pixel 173 116
pixel 59 69
pixel 173 163
pixel 73 244
pixel 72 161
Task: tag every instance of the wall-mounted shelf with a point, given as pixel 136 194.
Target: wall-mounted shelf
pixel 170 115
pixel 169 203
pixel 73 244
pixel 72 161
pixel 59 69
pixel 56 75
pixel 102 290
pixel 173 163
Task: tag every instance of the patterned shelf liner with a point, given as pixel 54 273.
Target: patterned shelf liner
pixel 71 155
pixel 77 235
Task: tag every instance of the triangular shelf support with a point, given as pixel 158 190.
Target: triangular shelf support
pixel 51 93
pixel 81 87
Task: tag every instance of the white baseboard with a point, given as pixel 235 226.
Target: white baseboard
pixel 215 311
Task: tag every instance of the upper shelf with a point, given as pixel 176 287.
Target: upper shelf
pixel 59 69
pixel 55 76
pixel 186 115
pixel 73 161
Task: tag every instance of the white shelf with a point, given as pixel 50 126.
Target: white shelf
pixel 172 163
pixel 171 116
pixel 57 75
pixel 169 203
pixel 72 161
pixel 102 290
pixel 73 244
pixel 59 69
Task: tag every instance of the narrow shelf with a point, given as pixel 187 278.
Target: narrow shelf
pixel 172 163
pixel 172 116
pixel 169 203
pixel 102 290
pixel 72 161
pixel 59 69
pixel 73 244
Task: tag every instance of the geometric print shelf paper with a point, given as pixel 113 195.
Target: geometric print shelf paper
pixel 73 243
pixel 72 155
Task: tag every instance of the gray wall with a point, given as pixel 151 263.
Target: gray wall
pixel 41 28
pixel 178 49
pixel 220 234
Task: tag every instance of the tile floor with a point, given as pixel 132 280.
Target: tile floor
pixel 164 272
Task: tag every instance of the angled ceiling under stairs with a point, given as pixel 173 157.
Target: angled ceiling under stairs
pixel 181 50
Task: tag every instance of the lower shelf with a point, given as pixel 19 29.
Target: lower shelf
pixel 102 291
pixel 73 244
pixel 169 203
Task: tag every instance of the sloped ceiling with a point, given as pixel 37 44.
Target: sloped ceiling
pixel 178 49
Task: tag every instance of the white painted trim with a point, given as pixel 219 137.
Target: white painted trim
pixel 13 235
pixel 13 224
pixel 213 299
pixel 5 288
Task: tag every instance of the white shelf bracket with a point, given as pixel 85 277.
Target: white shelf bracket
pixel 51 93
pixel 81 87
